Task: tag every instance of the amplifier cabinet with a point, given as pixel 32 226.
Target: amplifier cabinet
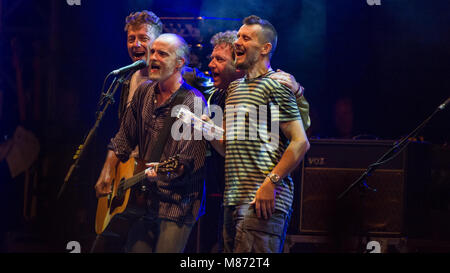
pixel 396 208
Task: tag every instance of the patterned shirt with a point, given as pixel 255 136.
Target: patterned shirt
pixel 216 96
pixel 180 198
pixel 249 157
pixel 215 162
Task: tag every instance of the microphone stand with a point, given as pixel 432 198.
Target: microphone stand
pixel 109 97
pixel 387 156
pixel 396 149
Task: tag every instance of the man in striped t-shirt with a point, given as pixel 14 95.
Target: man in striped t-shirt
pixel 265 140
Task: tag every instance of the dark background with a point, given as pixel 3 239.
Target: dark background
pixel 392 60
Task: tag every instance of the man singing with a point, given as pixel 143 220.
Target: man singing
pixel 258 188
pixel 176 198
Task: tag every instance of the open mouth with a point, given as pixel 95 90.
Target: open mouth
pixel 139 54
pixel 154 67
pixel 215 75
pixel 239 52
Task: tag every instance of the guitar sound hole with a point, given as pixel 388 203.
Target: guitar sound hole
pixel 116 202
pixel 119 192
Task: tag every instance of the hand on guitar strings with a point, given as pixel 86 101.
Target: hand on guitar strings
pixel 151 171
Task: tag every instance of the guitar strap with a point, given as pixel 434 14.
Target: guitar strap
pixel 158 148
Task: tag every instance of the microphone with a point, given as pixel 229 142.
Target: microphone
pixel 442 106
pixel 132 67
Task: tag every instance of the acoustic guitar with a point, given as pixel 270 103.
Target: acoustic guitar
pixel 116 202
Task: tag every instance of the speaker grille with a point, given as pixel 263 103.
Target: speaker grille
pixel 397 206
pixel 375 212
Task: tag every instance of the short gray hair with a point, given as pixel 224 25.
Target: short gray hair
pixel 182 50
pixel 226 37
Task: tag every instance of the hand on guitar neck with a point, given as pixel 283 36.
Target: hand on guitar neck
pixel 165 170
pixel 152 172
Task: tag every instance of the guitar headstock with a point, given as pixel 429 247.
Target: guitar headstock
pixel 169 165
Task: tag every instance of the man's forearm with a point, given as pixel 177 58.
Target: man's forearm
pixel 292 156
pixel 103 185
pixel 303 108
pixel 111 161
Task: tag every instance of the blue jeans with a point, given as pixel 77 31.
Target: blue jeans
pixel 114 237
pixel 154 235
pixel 136 230
pixel 244 232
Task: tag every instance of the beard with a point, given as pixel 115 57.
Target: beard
pixel 251 58
pixel 243 66
pixel 156 76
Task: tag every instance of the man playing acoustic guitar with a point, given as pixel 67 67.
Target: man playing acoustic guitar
pixel 174 198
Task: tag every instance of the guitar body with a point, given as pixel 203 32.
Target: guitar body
pixel 110 205
pixel 127 175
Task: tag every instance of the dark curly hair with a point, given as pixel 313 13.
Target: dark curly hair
pixel 227 37
pixel 144 17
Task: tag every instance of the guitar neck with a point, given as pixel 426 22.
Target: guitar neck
pixel 130 182
pixel 163 167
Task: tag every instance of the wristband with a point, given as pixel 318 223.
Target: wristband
pixel 299 91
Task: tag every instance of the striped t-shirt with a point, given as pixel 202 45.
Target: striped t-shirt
pixel 250 154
